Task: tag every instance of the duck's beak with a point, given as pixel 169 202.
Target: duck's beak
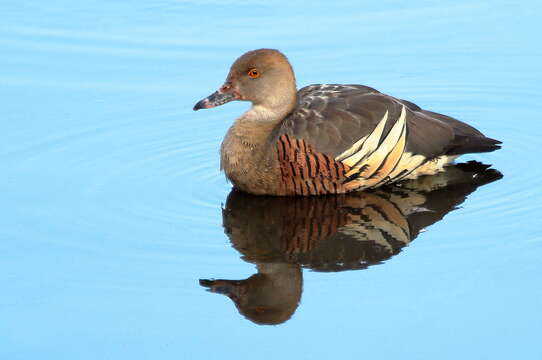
pixel 230 288
pixel 223 95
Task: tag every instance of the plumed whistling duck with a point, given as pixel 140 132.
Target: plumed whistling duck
pixel 328 139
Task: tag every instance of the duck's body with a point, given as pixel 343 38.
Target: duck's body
pixel 329 139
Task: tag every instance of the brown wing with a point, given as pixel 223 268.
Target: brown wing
pixel 376 137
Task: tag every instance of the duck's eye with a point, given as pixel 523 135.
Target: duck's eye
pixel 253 73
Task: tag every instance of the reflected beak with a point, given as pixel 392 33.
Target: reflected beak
pixel 230 288
pixel 223 95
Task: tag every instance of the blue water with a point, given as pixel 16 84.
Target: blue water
pixel 112 196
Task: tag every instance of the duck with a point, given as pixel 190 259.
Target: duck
pixel 328 138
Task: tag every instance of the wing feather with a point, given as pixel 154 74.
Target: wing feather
pixel 378 138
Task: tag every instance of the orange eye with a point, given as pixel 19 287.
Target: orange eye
pixel 253 73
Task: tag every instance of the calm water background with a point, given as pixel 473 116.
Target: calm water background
pixel 111 191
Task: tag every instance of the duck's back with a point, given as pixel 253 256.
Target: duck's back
pixel 342 138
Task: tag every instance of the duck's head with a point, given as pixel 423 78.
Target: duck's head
pixel 263 77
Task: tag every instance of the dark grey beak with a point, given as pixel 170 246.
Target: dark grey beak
pixel 230 288
pixel 217 98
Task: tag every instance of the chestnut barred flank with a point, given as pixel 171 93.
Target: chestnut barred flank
pixel 305 172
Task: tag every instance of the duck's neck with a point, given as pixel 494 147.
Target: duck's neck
pixel 248 156
pixel 257 124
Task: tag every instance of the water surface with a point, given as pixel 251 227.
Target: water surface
pixel 114 205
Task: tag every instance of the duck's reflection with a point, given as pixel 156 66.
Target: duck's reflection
pixel 330 233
